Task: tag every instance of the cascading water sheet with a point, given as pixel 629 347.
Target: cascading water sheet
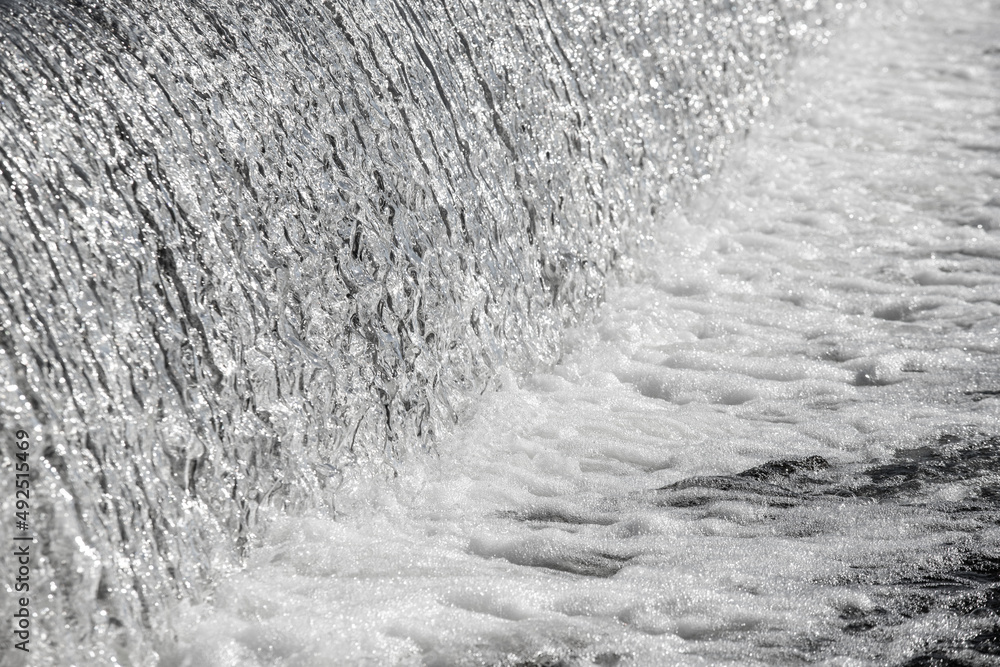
pixel 257 254
pixel 777 446
pixel 262 261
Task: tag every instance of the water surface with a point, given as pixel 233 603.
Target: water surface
pixel 778 445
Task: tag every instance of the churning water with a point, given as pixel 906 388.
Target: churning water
pixel 276 277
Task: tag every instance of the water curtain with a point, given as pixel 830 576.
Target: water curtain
pixel 258 252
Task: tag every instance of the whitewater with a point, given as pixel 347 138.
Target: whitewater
pixel 776 445
pixel 525 335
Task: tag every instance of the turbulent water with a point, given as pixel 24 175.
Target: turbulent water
pixel 262 261
pixel 257 255
pixel 777 446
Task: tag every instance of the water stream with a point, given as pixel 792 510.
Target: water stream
pixel 434 334
pixel 777 446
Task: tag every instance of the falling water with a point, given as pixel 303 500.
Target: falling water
pixel 257 254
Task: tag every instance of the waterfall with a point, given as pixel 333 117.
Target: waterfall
pixel 260 252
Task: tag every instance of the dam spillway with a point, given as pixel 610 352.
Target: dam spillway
pixel 260 260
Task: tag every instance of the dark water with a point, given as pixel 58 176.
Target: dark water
pixel 259 253
pixel 956 581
